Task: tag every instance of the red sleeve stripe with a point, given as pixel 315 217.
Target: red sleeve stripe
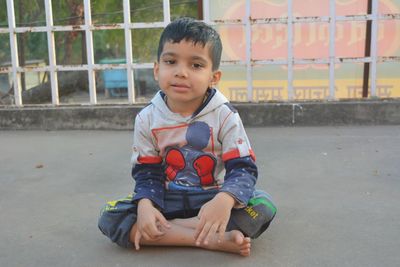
pixel 233 154
pixel 149 160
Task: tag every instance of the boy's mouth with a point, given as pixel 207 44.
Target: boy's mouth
pixel 180 87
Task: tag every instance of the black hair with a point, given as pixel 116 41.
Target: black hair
pixel 196 31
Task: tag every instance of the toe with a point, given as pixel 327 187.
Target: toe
pixel 245 246
pixel 238 237
pixel 245 252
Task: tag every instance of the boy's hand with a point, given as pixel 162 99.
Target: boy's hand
pixel 214 217
pixel 149 222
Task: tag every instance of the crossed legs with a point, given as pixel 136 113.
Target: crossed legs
pixel 181 233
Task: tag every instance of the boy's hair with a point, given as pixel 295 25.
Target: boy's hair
pixel 189 29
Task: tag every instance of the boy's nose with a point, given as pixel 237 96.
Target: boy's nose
pixel 181 71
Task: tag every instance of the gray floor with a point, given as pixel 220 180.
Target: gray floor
pixel 337 190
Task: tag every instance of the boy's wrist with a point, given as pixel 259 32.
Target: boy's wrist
pixel 227 198
pixel 145 201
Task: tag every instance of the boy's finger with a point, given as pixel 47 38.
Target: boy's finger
pixel 163 221
pixel 138 236
pixel 221 233
pixel 200 225
pixel 211 233
pixel 200 212
pixel 146 236
pixel 154 232
pixel 203 234
pixel 198 230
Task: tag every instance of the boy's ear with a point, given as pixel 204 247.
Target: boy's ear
pixel 216 77
pixel 155 70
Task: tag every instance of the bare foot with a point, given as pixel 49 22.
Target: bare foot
pixel 234 242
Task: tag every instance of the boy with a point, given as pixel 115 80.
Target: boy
pixel 183 140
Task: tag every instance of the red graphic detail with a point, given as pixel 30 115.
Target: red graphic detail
pixel 175 162
pixel 149 160
pixel 252 155
pixel 168 129
pixel 204 166
pixel 212 140
pixel 235 153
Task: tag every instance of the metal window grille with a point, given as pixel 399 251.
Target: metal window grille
pixel 247 22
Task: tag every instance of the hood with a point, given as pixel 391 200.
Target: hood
pixel 214 100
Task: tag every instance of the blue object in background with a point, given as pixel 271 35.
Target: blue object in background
pixel 115 81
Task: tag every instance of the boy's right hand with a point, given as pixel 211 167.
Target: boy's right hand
pixel 148 223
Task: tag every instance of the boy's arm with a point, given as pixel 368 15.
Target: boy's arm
pixel 241 170
pixel 147 164
pixel 149 183
pixel 149 189
pixel 240 178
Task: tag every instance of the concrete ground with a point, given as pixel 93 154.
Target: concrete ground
pixel 337 190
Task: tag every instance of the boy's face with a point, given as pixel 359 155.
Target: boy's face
pixel 184 73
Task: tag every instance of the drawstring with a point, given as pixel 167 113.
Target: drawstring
pixel 186 204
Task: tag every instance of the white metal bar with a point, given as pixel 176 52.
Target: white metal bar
pixel 353 60
pixel 66 28
pixel 310 19
pixel 249 68
pixel 290 49
pixel 388 59
pixel 235 22
pixel 33 69
pixel 143 65
pixel 31 29
pixel 282 20
pixel 128 52
pixel 72 68
pixel 14 53
pixel 147 25
pixel 389 16
pixel 269 62
pixel 374 46
pixel 332 55
pixel 304 61
pixel 110 66
pixel 5 70
pixel 52 53
pixel 89 52
pixel 354 18
pixel 167 12
pixel 316 61
pixel 233 62
pixel 206 11
pixel 117 26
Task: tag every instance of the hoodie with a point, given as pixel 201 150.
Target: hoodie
pixel 207 150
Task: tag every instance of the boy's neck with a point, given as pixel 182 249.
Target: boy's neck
pixel 185 110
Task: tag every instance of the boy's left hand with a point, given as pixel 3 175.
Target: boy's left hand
pixel 214 217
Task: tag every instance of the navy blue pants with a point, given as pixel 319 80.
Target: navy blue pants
pixel 118 217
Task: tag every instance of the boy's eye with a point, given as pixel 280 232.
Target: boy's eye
pixel 197 65
pixel 169 61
